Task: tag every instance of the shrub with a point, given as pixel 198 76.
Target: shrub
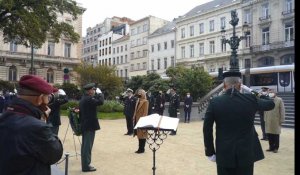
pixel 69 104
pixel 118 107
pixel 110 106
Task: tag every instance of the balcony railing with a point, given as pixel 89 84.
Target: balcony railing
pixel 288 12
pixel 273 46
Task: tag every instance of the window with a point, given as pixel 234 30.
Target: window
pixel 152 64
pixel 145 40
pixel 172 61
pixel 247 63
pixel 144 65
pixel 165 63
pixel 201 28
pixel 67 50
pixel 248 16
pixel 158 47
pixel 223 22
pixel 132 55
pixel 158 64
pixel 211 25
pixel 172 43
pixel 145 53
pixel 289 32
pixel 109 40
pixel 248 40
pixel 152 48
pixel 12 74
pixel 191 30
pixel 121 73
pixel 117 49
pixel 51 46
pixel 121 48
pixel 126 73
pixel 132 43
pixel 125 58
pixel 265 11
pixel 201 49
pixel 266 61
pixel 223 46
pixel 118 60
pixel 132 67
pixel 212 47
pixel 114 50
pixel 287 59
pixel 139 29
pixel 145 27
pixel 122 60
pixel 289 6
pixel 138 66
pixel 132 31
pixel 265 36
pixel 109 50
pixel 13 46
pixel 191 51
pixel 138 42
pixel 165 45
pixel 183 33
pixel 183 52
pixel 50 76
pixel 138 54
pixel 114 60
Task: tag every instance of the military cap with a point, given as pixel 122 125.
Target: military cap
pixel 35 85
pixel 264 88
pixel 129 90
pixel 232 74
pixel 89 86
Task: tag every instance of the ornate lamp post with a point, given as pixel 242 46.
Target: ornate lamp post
pixel 234 40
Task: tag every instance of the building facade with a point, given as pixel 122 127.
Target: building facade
pixel 162 49
pixel 53 61
pixel 139 45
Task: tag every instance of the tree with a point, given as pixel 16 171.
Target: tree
pixel 103 76
pixel 29 22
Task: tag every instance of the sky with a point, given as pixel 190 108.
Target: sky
pixel 98 10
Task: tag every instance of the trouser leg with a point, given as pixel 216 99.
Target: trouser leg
pixel 262 125
pixel 189 116
pixel 129 124
pixel 271 141
pixel 276 141
pixel 185 116
pixel 86 148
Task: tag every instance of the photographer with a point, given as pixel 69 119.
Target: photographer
pixel 27 144
pixel 59 98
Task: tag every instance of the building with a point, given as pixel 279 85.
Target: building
pixel 53 61
pixel 90 41
pixel 162 49
pixel 139 45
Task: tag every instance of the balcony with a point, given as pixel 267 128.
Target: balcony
pixel 265 19
pixel 288 14
pixel 289 44
pixel 273 46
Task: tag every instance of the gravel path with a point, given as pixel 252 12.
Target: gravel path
pixel 183 154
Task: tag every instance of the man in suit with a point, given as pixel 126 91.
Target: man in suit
pixel 129 107
pixel 264 91
pixel 173 105
pixel 89 122
pixel 237 143
pixel 159 105
pixel 151 100
pixel 188 102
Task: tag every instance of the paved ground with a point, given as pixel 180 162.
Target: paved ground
pixel 183 154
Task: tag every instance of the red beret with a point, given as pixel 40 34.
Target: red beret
pixel 37 84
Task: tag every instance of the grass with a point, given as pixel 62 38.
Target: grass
pixel 101 115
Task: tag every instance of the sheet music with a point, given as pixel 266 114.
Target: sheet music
pixel 152 121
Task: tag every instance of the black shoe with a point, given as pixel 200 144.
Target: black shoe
pixel 129 134
pixel 140 151
pixel 275 151
pixel 263 139
pixel 172 134
pixel 269 150
pixel 89 169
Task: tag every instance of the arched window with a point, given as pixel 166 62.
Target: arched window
pixel 50 76
pixel 265 61
pixel 12 75
pixel 287 59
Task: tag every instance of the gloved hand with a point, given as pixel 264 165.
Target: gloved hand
pixel 244 87
pixel 98 91
pixel 61 92
pixel 212 158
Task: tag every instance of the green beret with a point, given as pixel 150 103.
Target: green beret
pixel 89 86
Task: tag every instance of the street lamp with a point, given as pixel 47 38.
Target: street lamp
pixel 234 40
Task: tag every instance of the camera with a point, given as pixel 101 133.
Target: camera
pixel 60 95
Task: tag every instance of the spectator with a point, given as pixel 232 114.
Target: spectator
pixel 188 102
pixel 159 105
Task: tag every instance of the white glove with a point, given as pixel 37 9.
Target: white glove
pixel 98 91
pixel 61 92
pixel 168 91
pixel 212 158
pixel 246 88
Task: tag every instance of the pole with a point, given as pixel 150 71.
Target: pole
pixel 154 168
pixel 31 65
pixel 67 163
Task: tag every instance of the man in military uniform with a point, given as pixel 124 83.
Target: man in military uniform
pixel 173 105
pixel 89 122
pixel 129 107
pixel 237 143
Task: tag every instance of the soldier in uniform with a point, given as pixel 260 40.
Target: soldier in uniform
pixel 89 122
pixel 159 105
pixel 173 105
pixel 129 107
pixel 237 143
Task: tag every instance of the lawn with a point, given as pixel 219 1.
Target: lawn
pixel 101 115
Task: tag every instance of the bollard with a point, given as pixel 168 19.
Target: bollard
pixel 67 163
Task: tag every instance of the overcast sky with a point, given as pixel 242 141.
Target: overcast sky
pixel 98 10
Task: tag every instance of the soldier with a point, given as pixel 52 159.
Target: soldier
pixel 173 105
pixel 27 144
pixel 129 107
pixel 89 122
pixel 159 105
pixel 237 143
pixel 151 100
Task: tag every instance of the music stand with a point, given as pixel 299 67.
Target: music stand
pixel 157 127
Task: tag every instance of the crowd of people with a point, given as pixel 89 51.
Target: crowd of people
pixel 30 124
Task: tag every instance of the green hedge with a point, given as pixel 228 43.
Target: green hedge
pixel 108 106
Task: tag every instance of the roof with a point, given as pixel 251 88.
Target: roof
pixel 169 27
pixel 204 8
